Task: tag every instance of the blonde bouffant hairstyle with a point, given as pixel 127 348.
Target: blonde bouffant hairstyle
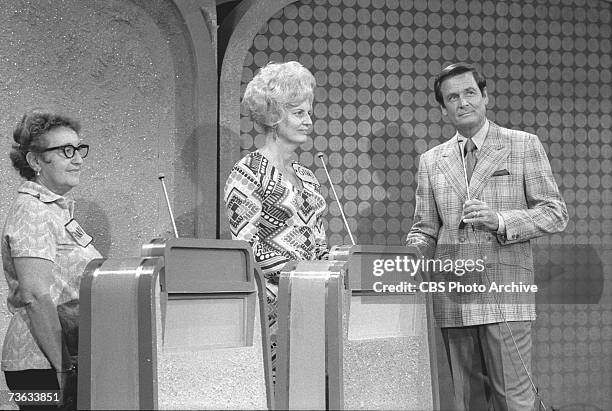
pixel 274 88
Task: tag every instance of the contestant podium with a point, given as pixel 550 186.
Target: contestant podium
pixel 344 346
pixel 309 351
pixel 119 303
pixel 179 328
pixel 389 340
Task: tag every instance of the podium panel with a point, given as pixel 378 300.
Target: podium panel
pixel 214 351
pixel 388 337
pixel 219 378
pixel 179 328
pixel 211 276
pixel 309 353
pixel 119 301
pixel 344 343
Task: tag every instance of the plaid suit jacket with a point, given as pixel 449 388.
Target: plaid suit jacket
pixel 513 176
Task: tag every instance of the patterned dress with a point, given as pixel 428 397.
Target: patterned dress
pixel 35 227
pixel 280 221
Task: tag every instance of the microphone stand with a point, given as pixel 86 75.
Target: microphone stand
pixel 161 178
pixel 320 155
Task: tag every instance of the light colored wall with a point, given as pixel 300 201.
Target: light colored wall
pixel 124 69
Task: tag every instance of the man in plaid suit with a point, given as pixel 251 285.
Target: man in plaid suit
pixel 481 197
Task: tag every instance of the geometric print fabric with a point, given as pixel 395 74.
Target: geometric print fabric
pixel 280 222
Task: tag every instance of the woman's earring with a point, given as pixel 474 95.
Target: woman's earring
pixel 37 173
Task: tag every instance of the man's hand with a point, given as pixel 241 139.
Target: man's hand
pixel 479 214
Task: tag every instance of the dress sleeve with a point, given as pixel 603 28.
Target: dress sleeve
pixel 547 211
pixel 30 233
pixel 243 204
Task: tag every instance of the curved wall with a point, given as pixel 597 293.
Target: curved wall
pixel 235 37
pixel 127 70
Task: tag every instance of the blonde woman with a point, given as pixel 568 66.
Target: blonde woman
pixel 273 202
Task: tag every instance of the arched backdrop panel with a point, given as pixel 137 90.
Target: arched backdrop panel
pixel 375 113
pixel 138 75
pixel 235 37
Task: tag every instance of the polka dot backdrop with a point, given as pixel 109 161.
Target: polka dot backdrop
pixel 549 70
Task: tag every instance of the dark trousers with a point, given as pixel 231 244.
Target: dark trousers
pixel 32 380
pixel 486 370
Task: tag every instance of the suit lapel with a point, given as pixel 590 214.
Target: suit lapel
pixel 449 163
pixel 493 153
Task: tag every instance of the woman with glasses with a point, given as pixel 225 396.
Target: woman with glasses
pixel 44 252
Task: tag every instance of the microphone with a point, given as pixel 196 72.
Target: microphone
pixel 320 155
pixel 467 183
pixel 467 187
pixel 161 177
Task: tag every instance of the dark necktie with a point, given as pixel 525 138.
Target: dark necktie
pixel 470 158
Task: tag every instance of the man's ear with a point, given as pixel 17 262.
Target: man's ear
pixel 33 160
pixel 444 112
pixel 485 95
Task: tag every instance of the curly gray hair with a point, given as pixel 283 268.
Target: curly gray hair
pixel 275 87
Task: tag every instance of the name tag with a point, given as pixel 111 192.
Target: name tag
pixel 305 174
pixel 78 234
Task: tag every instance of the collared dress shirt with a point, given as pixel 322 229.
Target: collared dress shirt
pixel 35 228
pixel 478 140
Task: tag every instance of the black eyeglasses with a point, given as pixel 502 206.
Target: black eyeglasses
pixel 69 150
